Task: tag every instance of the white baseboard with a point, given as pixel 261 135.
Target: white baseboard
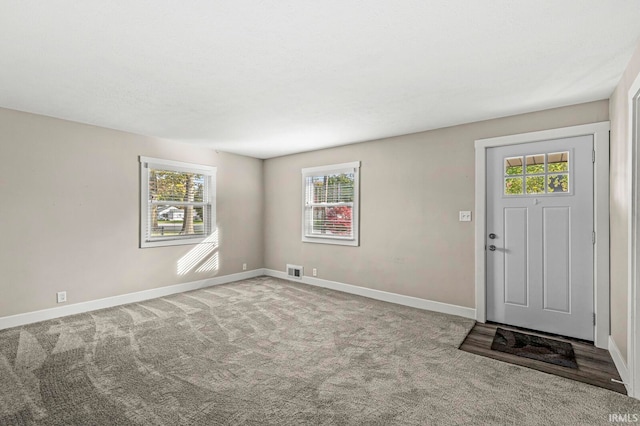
pixel 108 302
pixel 619 362
pixel 123 299
pixel 399 299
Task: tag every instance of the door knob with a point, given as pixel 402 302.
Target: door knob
pixel 492 247
pixel 492 236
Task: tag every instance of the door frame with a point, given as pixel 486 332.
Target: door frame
pixel 600 133
pixel 633 311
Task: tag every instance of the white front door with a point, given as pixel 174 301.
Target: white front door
pixel 540 236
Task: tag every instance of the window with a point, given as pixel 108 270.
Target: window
pixel 177 202
pixel 537 174
pixel 330 204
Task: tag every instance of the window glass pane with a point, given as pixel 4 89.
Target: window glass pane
pixel 335 220
pixel 535 164
pixel 558 162
pixel 535 184
pixel 166 185
pixel 167 221
pixel 558 183
pixel 332 188
pixel 513 186
pixel 513 166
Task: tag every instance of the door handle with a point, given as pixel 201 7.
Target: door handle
pixel 492 247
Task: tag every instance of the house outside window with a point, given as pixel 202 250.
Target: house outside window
pixel 177 202
pixel 330 210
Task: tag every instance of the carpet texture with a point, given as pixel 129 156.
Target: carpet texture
pixel 534 347
pixel 267 351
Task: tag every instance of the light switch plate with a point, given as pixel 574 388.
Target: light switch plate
pixel 465 216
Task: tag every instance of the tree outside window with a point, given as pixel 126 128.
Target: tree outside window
pixel 178 202
pixel 330 204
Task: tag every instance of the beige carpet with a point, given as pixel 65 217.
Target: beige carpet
pixel 267 351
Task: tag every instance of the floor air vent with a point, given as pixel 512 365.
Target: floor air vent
pixel 294 271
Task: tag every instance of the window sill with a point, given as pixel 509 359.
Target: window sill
pixel 172 242
pixel 331 240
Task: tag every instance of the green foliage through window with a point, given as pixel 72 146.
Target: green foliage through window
pixel 514 170
pixel 535 184
pixel 558 183
pixel 535 169
pixel 171 219
pixel 558 167
pixel 543 174
pixel 513 186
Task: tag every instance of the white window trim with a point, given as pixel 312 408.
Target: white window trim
pixel 156 163
pixel 352 167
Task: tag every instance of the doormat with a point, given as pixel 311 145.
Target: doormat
pixel 534 347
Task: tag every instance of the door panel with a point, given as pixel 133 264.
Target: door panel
pixel 540 208
pixel 515 263
pixel 556 255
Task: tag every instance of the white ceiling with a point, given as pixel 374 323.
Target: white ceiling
pixel 266 78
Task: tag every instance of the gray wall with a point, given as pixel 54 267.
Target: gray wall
pixel 70 210
pixel 620 202
pixel 412 188
pixel 69 213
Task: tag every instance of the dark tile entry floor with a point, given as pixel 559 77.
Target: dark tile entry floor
pixel 595 365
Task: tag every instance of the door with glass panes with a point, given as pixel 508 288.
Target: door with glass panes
pixel 540 236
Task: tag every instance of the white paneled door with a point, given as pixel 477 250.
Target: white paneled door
pixel 540 236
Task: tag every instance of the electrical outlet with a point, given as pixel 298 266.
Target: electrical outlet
pixel 62 296
pixel 314 271
pixel 244 266
pixel 465 216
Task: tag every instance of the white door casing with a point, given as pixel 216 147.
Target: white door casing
pixel 633 308
pixel 600 132
pixel 540 261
